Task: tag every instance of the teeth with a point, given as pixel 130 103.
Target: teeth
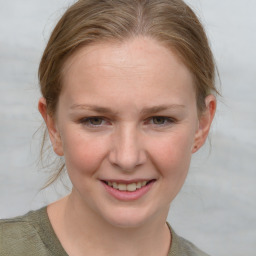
pixel 131 187
pixel 121 187
pixel 143 183
pixel 138 185
pixel 127 187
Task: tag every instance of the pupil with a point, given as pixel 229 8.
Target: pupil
pixel 158 120
pixel 96 121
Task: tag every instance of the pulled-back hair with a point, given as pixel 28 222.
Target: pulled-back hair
pixel 170 22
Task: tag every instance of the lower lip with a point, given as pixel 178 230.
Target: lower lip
pixel 128 195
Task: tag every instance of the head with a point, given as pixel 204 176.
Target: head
pixel 171 23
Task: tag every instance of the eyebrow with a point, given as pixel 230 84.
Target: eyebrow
pixel 144 111
pixel 156 109
pixel 94 108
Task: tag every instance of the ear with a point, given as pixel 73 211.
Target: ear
pixel 205 121
pixel 52 127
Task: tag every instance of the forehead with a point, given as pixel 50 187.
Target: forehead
pixel 134 66
pixel 137 52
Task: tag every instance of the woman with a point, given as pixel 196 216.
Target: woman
pixel 127 97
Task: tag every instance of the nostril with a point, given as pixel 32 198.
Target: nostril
pixel 127 154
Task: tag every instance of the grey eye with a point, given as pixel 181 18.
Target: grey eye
pixel 158 120
pixel 95 121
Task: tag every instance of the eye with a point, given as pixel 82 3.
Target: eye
pixel 158 120
pixel 161 120
pixel 93 121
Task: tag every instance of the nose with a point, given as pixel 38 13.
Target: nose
pixel 127 150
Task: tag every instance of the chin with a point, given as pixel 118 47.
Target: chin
pixel 129 218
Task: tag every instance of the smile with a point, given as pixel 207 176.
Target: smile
pixel 127 187
pixel 128 190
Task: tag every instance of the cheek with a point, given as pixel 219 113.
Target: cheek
pixel 172 160
pixel 83 154
pixel 172 154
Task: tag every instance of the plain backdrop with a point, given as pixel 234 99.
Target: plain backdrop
pixel 216 207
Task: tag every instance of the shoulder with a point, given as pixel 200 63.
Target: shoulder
pixel 21 235
pixel 20 223
pixel 189 248
pixel 181 246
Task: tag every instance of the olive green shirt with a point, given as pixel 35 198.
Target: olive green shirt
pixel 32 234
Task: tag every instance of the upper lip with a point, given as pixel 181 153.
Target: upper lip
pixel 126 181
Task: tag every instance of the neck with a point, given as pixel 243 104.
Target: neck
pixel 81 231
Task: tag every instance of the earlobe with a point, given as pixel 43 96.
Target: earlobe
pixel 51 126
pixel 205 121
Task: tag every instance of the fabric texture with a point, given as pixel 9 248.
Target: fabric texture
pixel 32 234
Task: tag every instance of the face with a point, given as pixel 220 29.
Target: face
pixel 127 125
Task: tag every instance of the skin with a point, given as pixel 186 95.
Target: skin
pixel 146 128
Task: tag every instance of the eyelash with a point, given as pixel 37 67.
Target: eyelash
pixel 167 120
pixel 88 121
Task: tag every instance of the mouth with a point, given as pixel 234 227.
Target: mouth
pixel 128 187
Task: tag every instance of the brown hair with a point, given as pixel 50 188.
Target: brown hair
pixel 170 22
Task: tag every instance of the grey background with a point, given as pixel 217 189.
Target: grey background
pixel 216 207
